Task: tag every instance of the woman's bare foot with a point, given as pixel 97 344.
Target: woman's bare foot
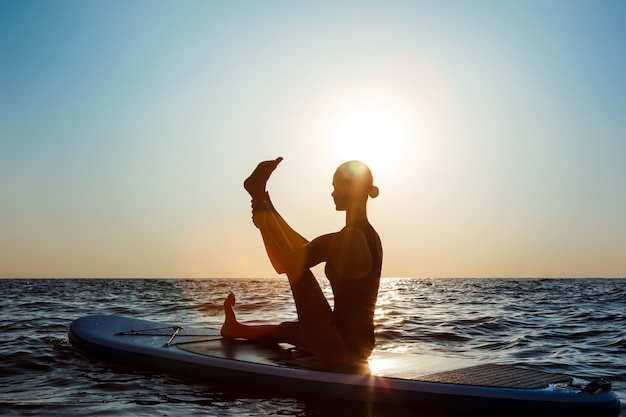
pixel 255 183
pixel 229 328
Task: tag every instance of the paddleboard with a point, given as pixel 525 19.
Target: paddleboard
pixel 444 386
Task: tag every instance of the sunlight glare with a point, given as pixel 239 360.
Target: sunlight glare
pixel 371 134
pixel 379 365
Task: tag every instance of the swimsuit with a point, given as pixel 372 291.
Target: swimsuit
pixel 355 299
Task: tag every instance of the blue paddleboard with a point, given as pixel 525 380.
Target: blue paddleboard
pixel 443 385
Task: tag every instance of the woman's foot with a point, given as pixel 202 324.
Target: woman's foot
pixel 255 183
pixel 229 328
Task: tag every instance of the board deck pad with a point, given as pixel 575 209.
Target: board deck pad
pixel 500 376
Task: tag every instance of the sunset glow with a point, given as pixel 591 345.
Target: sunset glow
pixel 371 134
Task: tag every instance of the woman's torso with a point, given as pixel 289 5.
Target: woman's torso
pixel 355 298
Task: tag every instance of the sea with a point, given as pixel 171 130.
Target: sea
pixel 572 326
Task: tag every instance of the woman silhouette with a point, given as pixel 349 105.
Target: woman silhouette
pixel 353 257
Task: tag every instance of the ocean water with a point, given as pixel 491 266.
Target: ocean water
pixel 574 326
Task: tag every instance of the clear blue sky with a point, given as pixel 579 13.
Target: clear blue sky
pixel 496 132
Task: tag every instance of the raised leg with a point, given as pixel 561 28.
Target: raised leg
pixel 255 183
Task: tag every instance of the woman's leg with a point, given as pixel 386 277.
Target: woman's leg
pixel 262 207
pixel 288 332
pixel 316 319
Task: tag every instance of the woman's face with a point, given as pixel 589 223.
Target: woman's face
pixel 340 192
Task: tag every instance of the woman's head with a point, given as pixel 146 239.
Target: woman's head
pixel 354 180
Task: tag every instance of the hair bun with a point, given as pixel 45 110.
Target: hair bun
pixel 374 191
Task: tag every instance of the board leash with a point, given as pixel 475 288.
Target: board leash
pixel 175 332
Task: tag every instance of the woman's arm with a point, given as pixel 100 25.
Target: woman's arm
pixel 347 251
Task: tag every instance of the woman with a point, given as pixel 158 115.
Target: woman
pixel 353 256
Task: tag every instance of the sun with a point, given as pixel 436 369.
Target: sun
pixel 370 133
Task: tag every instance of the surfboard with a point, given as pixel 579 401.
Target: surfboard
pixel 441 385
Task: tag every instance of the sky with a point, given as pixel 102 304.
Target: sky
pixel 496 132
